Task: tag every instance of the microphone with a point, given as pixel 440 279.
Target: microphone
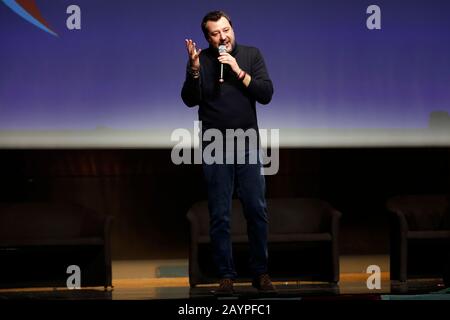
pixel 222 48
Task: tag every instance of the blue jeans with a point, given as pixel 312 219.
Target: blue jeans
pixel 250 188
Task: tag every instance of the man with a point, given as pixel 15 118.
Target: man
pixel 227 96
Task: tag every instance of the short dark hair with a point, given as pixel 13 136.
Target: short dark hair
pixel 213 16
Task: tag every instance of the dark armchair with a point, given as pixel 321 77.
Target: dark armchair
pixel 420 236
pixel 38 241
pixel 303 241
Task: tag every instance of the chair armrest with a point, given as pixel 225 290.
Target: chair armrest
pixel 107 227
pixel 194 226
pixel 400 219
pixel 335 219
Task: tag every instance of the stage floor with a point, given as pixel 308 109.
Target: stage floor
pixel 167 279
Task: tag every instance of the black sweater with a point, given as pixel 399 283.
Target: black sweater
pixel 228 105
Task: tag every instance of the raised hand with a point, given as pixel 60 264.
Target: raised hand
pixel 193 54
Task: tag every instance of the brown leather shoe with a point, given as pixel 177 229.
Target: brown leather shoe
pixel 225 287
pixel 264 284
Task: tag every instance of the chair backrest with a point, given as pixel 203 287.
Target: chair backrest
pixel 286 216
pixel 48 221
pixel 423 212
pixel 299 215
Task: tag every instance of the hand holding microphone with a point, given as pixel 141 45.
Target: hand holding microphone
pixel 226 58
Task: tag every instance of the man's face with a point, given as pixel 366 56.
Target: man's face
pixel 220 32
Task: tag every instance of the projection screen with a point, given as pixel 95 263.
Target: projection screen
pixel 101 73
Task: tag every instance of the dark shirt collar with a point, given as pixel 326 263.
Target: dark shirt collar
pixel 235 49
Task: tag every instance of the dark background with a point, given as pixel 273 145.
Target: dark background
pixel 149 196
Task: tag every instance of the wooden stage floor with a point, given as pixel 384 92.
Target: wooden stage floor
pixel 167 279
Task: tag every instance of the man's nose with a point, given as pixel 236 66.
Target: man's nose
pixel 222 36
